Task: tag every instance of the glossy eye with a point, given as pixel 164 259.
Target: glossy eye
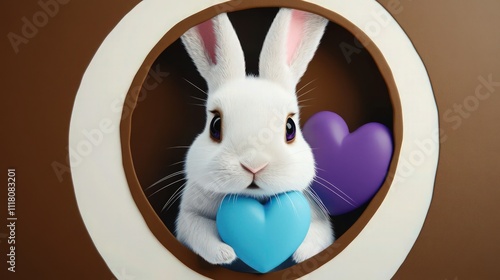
pixel 215 128
pixel 290 130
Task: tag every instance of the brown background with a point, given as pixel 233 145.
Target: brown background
pixel 457 40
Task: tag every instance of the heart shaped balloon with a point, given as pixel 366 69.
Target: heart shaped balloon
pixel 351 166
pixel 264 235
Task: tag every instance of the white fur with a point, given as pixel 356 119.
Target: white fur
pixel 254 113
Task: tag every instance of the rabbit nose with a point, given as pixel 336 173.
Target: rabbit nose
pixel 253 170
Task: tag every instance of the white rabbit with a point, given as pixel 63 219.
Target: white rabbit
pixel 251 144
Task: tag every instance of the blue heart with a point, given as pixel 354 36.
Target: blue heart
pixel 264 235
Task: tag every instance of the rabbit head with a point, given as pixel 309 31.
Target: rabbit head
pixel 252 143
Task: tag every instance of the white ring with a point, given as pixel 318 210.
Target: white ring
pixel 114 221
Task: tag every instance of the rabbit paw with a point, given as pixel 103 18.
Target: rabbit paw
pixel 305 251
pixel 222 254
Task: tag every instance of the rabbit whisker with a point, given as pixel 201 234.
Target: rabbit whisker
pixel 340 196
pixel 304 106
pixel 184 161
pixel 177 194
pixel 224 197
pixel 305 100
pixel 275 195
pixel 197 98
pixel 195 86
pixel 329 183
pixel 304 86
pixel 320 169
pixel 165 178
pixel 196 104
pixel 303 94
pixel 293 205
pixel 164 187
pixel 179 147
pixel 311 193
pixel 177 163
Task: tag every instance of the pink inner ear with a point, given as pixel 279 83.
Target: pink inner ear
pixel 295 33
pixel 207 34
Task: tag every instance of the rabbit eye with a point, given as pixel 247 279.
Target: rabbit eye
pixel 215 128
pixel 290 130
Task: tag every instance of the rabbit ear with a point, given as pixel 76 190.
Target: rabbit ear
pixel 216 51
pixel 290 45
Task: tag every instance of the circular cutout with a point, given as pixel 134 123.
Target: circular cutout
pixel 170 113
pixel 394 46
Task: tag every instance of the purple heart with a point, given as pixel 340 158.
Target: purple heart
pixel 351 167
